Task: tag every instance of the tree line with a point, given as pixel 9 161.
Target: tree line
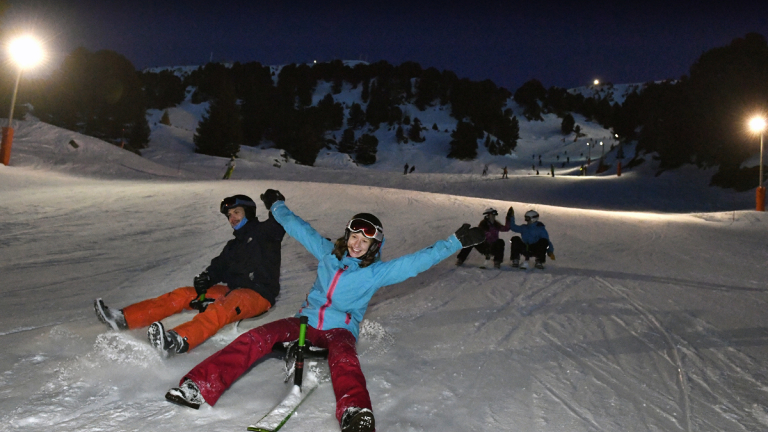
pixel 101 94
pixel 698 119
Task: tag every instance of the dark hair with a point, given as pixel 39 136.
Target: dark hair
pixel 340 247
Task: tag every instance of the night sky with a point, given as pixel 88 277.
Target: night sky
pixel 565 44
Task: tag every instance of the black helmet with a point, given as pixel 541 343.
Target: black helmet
pixel 370 226
pixel 243 201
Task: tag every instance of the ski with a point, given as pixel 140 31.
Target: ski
pixel 302 386
pixel 279 415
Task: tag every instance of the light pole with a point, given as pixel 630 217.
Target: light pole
pixel 757 124
pixel 26 52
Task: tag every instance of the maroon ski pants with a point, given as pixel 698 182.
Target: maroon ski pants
pixel 216 373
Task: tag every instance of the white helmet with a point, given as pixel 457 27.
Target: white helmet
pixel 531 216
pixel 490 211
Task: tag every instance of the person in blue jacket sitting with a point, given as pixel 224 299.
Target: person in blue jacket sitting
pixel 533 241
pixel 349 272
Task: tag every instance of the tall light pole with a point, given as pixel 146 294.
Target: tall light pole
pixel 26 52
pixel 757 125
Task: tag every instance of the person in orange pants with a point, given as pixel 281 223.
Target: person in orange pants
pixel 242 282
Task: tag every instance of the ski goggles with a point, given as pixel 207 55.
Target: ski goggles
pixel 368 229
pixel 232 202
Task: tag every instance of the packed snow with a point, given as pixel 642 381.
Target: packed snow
pixel 652 317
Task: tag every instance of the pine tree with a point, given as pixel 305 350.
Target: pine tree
pixel 400 135
pixel 568 123
pixel 331 113
pixel 138 132
pixel 414 133
pixel 347 143
pixel 219 133
pixel 464 142
pixel 367 147
pixel 356 119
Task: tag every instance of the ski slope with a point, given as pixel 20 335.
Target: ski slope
pixel 652 318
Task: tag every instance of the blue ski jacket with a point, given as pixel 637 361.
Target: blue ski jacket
pixel 341 292
pixel 532 233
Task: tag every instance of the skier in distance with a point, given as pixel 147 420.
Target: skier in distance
pixel 242 282
pixel 349 272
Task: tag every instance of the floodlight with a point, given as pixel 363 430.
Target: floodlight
pixel 25 51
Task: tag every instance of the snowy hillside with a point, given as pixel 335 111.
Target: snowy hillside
pixel 652 318
pixel 614 93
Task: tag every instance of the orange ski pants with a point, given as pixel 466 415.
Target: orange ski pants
pixel 228 307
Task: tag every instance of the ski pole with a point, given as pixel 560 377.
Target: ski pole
pixel 299 371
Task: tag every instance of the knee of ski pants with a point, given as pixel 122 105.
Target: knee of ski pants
pixel 236 305
pixel 146 312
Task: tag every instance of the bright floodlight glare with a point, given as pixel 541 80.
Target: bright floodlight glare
pixel 26 52
pixel 757 124
pixel 597 82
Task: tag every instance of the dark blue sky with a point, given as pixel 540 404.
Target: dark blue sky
pixel 560 43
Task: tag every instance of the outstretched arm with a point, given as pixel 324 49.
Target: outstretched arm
pixel 410 265
pixel 303 232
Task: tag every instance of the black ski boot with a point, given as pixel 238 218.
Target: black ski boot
pixel 166 342
pixel 112 318
pixel 357 420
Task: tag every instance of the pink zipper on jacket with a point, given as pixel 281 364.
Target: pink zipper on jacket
pixel 329 296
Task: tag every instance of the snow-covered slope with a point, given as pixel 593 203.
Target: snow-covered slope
pixel 649 320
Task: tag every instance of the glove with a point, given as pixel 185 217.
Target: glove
pixel 202 283
pixel 270 196
pixel 200 305
pixel 510 213
pixel 470 236
pixel 551 255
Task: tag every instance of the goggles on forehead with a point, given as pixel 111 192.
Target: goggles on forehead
pixel 527 218
pixel 368 229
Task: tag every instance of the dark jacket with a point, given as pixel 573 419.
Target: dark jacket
pixel 492 230
pixel 252 259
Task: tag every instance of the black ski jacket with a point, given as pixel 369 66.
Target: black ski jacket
pixel 252 259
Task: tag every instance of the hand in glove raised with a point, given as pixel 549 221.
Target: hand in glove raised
pixel 202 283
pixel 470 236
pixel 510 213
pixel 270 196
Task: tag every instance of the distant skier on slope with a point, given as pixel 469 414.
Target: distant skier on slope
pixel 249 265
pixel 493 245
pixel 230 169
pixel 533 241
pixel 349 272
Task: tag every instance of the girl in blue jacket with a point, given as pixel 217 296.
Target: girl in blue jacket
pixel 349 272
